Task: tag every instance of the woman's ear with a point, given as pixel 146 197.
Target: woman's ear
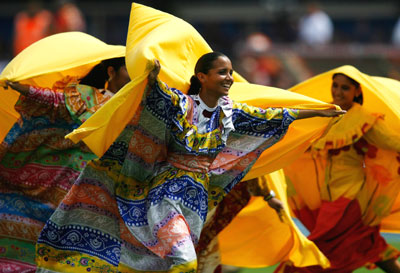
pixel 201 76
pixel 111 73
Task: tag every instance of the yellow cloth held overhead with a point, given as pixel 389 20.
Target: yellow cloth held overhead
pixel 150 37
pixel 243 242
pixel 48 60
pixel 380 95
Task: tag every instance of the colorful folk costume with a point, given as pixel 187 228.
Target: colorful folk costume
pixel 37 164
pixel 345 189
pixel 166 160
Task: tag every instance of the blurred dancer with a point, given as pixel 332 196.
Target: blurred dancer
pixel 347 183
pixel 37 164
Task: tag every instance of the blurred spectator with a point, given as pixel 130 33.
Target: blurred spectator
pixel 316 27
pixel 68 17
pixel 396 34
pixel 31 25
pixel 258 64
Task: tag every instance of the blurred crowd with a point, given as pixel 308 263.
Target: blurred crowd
pixel 37 22
pixel 256 48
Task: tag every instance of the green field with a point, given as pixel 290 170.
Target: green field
pixel 393 239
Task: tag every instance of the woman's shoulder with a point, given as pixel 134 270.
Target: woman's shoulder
pixel 64 82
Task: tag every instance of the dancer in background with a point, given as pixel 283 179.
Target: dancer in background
pixel 37 164
pixel 344 187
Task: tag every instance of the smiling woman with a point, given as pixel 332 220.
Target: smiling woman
pixel 213 82
pixel 172 164
pixel 345 91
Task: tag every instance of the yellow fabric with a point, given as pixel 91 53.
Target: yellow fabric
pixel 382 96
pixel 257 238
pixel 47 61
pixel 177 45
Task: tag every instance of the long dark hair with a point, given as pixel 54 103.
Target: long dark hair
pixel 204 64
pixel 359 99
pixel 98 76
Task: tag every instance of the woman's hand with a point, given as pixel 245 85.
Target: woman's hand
pixel 331 112
pixel 310 113
pixel 154 73
pixel 21 88
pixel 276 204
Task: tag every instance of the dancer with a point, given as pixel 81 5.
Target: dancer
pixel 346 184
pixel 143 204
pixel 37 164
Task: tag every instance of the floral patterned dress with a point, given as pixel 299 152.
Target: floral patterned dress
pixel 142 206
pixel 38 165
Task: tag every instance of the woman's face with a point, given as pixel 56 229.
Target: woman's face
pixel 218 80
pixel 121 77
pixel 118 78
pixel 344 92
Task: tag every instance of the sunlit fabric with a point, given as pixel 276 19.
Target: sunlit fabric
pixel 47 61
pixel 125 242
pixel 257 237
pixel 150 38
pixel 345 189
pixel 381 95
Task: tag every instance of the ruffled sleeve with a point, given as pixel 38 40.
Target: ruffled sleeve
pixel 348 129
pixel 174 109
pixel 383 137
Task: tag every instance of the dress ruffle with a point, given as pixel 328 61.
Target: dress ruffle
pixel 349 129
pixel 187 133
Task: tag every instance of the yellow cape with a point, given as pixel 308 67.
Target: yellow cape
pixel 48 60
pixel 177 45
pixel 257 225
pixel 257 237
pixel 381 95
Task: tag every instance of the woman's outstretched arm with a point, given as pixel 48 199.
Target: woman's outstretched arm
pixel 41 95
pixel 21 88
pixel 310 113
